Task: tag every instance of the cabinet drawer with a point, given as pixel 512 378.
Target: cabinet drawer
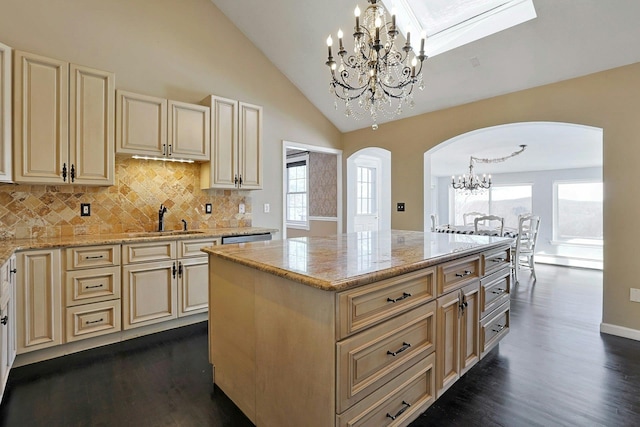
pixel 371 358
pixel 457 273
pixel 399 402
pixel 192 248
pixel 495 260
pixel 93 256
pixel 95 285
pixel 91 320
pixel 494 328
pixel 494 291
pixel 366 306
pixel 143 252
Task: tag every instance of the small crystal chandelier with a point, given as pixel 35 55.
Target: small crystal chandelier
pixel 378 78
pixel 472 184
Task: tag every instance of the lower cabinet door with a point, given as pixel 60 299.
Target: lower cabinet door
pixel 193 286
pixel 92 320
pixel 149 293
pixel 448 341
pixel 397 403
pixel 470 328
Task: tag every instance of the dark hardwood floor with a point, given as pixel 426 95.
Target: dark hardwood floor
pixel 553 369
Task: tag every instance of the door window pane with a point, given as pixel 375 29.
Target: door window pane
pixel 366 191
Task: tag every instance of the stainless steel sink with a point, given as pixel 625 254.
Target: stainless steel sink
pixel 164 233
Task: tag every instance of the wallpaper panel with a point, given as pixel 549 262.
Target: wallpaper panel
pixel 323 184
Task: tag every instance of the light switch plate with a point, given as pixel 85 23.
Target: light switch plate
pixel 241 208
pixel 85 209
pixel 400 207
pixel 207 208
pixel 267 208
pixel 634 295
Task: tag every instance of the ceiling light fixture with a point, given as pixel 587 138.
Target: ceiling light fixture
pixel 472 184
pixel 162 159
pixel 378 75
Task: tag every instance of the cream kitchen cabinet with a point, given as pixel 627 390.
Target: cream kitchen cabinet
pixel 164 280
pixel 63 122
pixel 157 127
pixel 6 174
pixel 7 320
pixel 236 141
pixel 39 300
pixel 92 291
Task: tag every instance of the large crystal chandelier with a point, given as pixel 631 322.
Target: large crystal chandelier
pixel 378 78
pixel 472 184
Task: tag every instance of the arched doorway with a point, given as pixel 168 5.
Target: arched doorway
pixel 560 173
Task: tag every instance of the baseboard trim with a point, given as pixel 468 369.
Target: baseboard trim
pixel 620 331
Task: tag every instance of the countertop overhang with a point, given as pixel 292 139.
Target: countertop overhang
pixel 9 247
pixel 343 261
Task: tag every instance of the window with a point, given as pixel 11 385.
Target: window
pixel 297 192
pixel 507 201
pixel 578 213
pixel 366 191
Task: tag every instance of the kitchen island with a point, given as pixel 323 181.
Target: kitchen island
pixel 364 328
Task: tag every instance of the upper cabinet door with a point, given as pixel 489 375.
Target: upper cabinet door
pixel 91 146
pixel 222 171
pixel 189 131
pixel 141 124
pixel 41 119
pixel 250 146
pixel 6 174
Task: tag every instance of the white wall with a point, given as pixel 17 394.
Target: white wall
pixel 542 205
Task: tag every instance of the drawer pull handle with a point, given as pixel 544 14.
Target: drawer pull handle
pixel 404 295
pixel 4 320
pixel 94 257
pixel 499 291
pixel 500 328
pixel 95 286
pixel 466 273
pixel 405 405
pixel 405 345
pixel 94 321
pixel 498 260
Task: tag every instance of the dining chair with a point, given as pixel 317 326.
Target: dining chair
pixel 489 221
pixel 469 217
pixel 524 248
pixel 434 221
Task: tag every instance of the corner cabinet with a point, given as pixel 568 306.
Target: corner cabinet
pixel 151 126
pixel 39 300
pixel 236 141
pixel 7 320
pixel 63 122
pixel 6 174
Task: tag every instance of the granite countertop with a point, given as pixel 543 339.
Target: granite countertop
pixel 343 261
pixel 9 247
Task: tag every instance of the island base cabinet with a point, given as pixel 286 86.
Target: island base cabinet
pixel 399 402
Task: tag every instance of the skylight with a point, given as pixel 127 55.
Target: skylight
pixel 453 23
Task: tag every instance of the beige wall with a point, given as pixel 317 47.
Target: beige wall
pixel 182 50
pixel 316 228
pixel 610 100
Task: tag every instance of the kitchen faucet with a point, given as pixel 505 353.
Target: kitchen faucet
pixel 163 210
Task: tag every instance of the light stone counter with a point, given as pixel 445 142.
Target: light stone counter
pixel 9 247
pixel 339 262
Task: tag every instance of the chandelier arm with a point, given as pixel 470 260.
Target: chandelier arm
pixel 349 98
pixel 499 159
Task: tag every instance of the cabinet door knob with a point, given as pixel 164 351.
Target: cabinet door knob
pixel 64 172
pixel 73 173
pixel 4 320
pixel 14 271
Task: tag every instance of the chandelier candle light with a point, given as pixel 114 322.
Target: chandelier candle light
pixel 378 75
pixel 472 184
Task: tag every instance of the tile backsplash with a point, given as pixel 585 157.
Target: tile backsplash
pixel 131 205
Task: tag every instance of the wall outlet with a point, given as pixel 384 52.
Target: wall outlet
pixel 207 208
pixel 400 207
pixel 634 295
pixel 85 209
pixel 267 208
pixel 241 208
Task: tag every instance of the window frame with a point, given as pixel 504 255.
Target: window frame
pixel 300 225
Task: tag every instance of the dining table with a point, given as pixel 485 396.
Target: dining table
pixel 470 229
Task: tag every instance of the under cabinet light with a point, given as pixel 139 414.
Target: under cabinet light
pixel 162 159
